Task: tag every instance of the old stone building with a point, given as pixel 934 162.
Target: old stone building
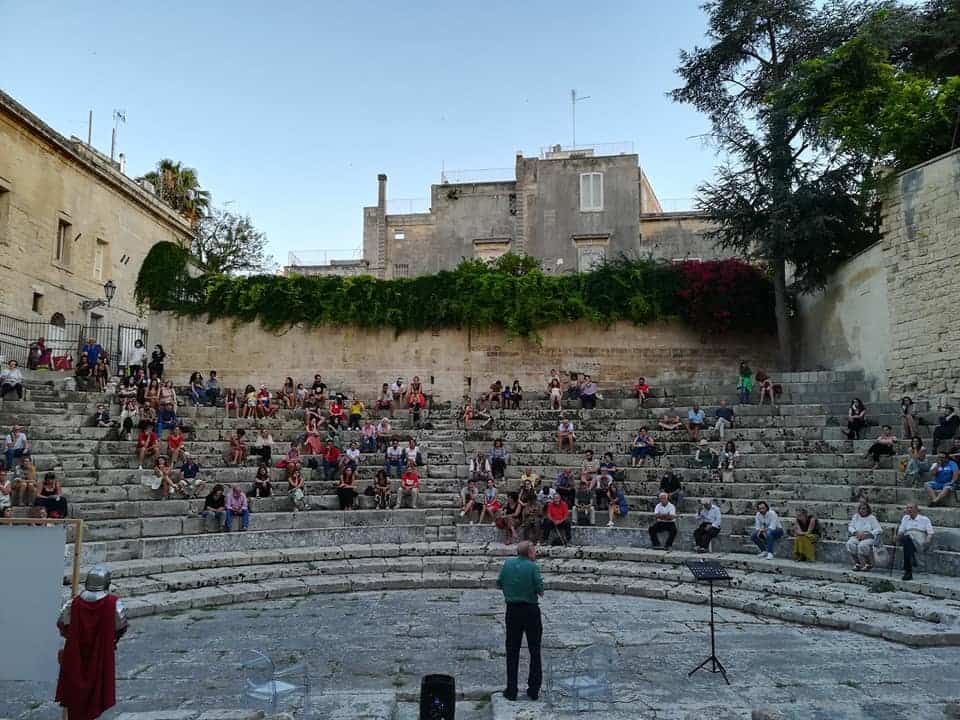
pixel 69 222
pixel 568 209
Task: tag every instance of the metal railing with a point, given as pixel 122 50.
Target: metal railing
pixel 678 204
pixel 407 206
pixel 624 147
pixel 63 339
pixel 459 177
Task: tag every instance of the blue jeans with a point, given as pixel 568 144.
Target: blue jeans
pixel 368 444
pixel 396 464
pixel 744 395
pixel 770 542
pixel 211 396
pixel 329 469
pixel 195 396
pixel 164 426
pixel 12 455
pixel 244 519
pixel 641 452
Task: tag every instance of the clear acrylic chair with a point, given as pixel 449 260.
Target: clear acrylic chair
pixel 265 684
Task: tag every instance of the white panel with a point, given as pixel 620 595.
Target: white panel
pixel 31 582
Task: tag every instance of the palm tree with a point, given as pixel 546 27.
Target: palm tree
pixel 179 187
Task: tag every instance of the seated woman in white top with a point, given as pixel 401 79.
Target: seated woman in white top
pixel 767 530
pixel 865 533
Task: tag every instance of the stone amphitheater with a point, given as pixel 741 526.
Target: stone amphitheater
pixel 373 600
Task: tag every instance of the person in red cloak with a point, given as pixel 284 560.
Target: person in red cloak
pixel 92 623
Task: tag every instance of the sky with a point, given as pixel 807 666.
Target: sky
pixel 289 110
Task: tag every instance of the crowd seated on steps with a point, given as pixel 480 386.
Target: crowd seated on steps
pixel 331 417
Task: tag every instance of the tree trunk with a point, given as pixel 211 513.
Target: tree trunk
pixel 782 314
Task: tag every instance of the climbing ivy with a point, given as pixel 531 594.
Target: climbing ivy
pixel 512 293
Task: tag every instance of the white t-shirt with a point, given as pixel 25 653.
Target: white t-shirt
pixel 768 521
pixel 354 454
pixel 919 525
pixel 396 388
pixel 667 509
pixel 394 453
pixel 566 427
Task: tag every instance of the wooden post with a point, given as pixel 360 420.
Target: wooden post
pixel 77 548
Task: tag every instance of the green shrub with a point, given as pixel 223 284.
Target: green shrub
pixel 512 293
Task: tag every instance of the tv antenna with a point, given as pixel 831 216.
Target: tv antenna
pixel 574 99
pixel 119 116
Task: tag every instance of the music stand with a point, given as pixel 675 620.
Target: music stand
pixel 710 571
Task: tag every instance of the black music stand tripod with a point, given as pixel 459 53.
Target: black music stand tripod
pixel 710 571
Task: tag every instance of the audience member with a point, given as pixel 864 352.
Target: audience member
pixel 393 458
pixel 351 458
pixel 50 497
pixel 917 464
pixel 166 418
pixel 147 444
pixel 805 536
pixel 215 504
pixel 470 499
pixel 466 412
pixel 915 535
pixel 155 366
pixel 664 521
pixel 565 434
pixel 167 394
pixel 573 387
pixel 250 402
pixel 728 460
pixel 725 417
pixel 479 468
pixel 512 517
pixel 695 420
pixel 346 489
pixel 865 532
pixel 709 522
pixel 236 506
pixel 589 467
pixel 671 486
pixel 704 456
pixel 190 484
pixel 529 476
pixel 641 390
pixel 384 433
pixel 946 428
pixel 356 414
pixel 83 374
pixel 296 491
pixel 381 490
pixel 856 419
pixel 196 388
pixel 409 486
pixel 498 459
pixel 162 479
pixel 643 447
pixel 767 530
pixel 262 485
pixel 744 383
pixel 211 390
pixel 491 502
pixel 493 395
pixel 24 484
pixel 101 418
pixel 411 453
pixel 556 517
pixel 617 504
pixel 670 421
pixel 583 504
pixel 263 445
pixel 231 403
pixel 16 447
pixel 555 393
pixel 944 473
pixel 767 388
pixel 238 447
pixel 884 445
pixel 385 400
pixel 319 389
pixel 565 486
pixel 911 428
pixel 331 461
pixel 368 437
pixel 588 393
pixel 175 442
pixel 11 380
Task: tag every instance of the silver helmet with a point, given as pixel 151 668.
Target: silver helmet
pixel 98 579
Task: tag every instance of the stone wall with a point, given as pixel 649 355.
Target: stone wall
pixel 846 325
pixel 110 223
pixel 677 235
pixel 921 246
pixel 359 360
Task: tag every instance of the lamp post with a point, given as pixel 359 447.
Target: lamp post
pixel 109 290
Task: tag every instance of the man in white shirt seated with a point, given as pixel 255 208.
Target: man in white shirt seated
pixel 664 520
pixel 11 380
pixel 709 521
pixel 914 534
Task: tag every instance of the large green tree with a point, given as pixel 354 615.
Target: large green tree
pixel 783 194
pixel 228 243
pixel 179 187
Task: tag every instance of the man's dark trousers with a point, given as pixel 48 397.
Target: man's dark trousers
pixel 524 618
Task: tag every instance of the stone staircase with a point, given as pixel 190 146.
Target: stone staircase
pixel 792 455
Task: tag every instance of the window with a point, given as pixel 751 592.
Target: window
pixel 58 320
pixel 399 235
pixel 591 192
pixel 62 250
pixel 99 252
pixel 37 304
pixel 401 270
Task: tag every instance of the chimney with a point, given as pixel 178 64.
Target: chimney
pixel 382 192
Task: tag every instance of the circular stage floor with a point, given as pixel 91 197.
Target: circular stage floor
pixel 387 641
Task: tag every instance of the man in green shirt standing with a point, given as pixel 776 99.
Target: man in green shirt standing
pixel 521 583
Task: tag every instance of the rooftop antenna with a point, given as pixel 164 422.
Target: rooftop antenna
pixel 574 99
pixel 119 116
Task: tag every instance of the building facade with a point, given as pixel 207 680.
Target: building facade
pixel 70 221
pixel 569 209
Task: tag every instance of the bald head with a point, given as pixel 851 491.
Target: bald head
pixel 526 549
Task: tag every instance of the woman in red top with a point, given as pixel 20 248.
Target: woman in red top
pixel 641 390
pixel 409 486
pixel 231 403
pixel 175 443
pixel 147 443
pixel 336 412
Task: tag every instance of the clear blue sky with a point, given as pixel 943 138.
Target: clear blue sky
pixel 290 109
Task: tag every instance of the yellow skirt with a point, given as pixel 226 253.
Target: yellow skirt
pixel 805 548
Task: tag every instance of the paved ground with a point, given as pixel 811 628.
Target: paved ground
pixel 383 641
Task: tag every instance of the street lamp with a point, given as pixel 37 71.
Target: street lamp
pixel 109 290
